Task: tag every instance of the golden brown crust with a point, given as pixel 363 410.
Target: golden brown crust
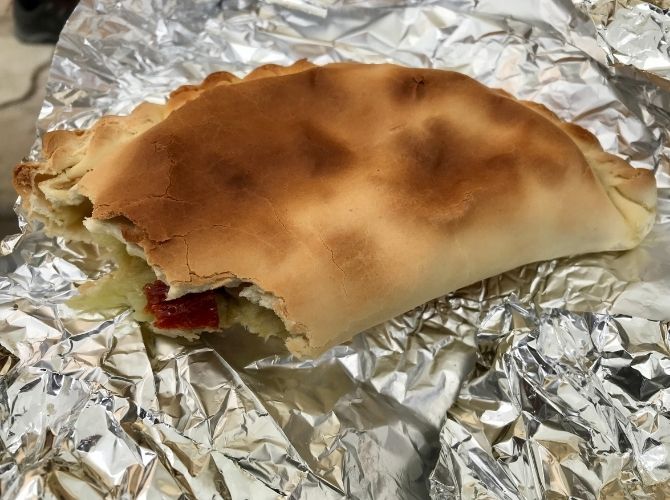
pixel 638 184
pixel 63 148
pixel 352 192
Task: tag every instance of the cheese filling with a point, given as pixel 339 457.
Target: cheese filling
pixel 121 288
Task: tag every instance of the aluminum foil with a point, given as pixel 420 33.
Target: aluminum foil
pixel 562 405
pixel 633 32
pixel 546 382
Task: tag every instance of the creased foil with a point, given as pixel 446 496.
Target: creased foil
pixel 548 381
pixel 561 405
pixel 633 32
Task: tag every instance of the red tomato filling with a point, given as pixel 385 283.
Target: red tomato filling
pixel 194 310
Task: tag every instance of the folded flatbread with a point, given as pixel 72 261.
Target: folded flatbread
pixel 311 203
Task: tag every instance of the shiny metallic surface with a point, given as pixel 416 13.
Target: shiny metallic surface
pixel 632 32
pixel 561 404
pixel 548 381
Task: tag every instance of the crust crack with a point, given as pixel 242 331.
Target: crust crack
pixel 332 257
pixel 169 184
pixel 188 261
pixel 272 207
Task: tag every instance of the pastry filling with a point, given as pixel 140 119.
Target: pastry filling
pixel 133 284
pixel 194 310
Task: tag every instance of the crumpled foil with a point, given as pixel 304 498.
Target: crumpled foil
pixel 633 32
pixel 549 381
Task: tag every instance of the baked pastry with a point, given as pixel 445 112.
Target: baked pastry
pixel 311 203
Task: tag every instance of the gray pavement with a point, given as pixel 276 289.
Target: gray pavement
pixel 23 74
